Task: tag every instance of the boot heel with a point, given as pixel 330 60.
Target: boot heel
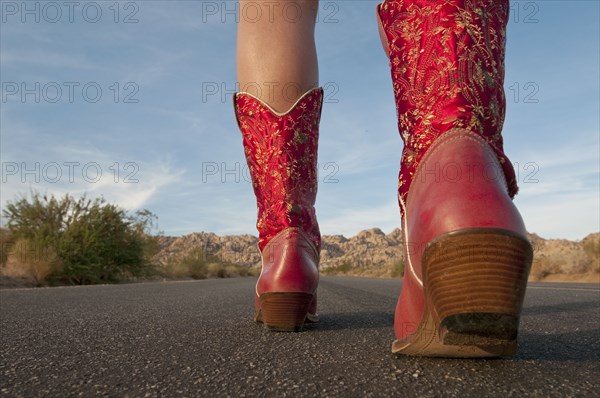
pixel 284 312
pixel 475 283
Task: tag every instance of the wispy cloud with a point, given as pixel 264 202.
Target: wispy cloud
pixel 79 170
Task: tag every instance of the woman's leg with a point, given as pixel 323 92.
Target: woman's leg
pixel 276 54
pixel 278 112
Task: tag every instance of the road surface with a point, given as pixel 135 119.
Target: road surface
pixel 197 338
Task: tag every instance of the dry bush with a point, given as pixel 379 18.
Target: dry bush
pixel 342 269
pixel 591 247
pixel 194 264
pixel 397 269
pixel 31 261
pixel 232 271
pixel 544 266
pixel 215 270
pixel 253 271
pixel 229 270
pixel 6 242
pixel 582 265
pixel 226 270
pixel 198 265
pixel 174 269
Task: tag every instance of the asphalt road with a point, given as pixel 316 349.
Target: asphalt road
pixel 198 339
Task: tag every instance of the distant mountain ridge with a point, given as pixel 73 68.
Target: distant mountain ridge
pixel 373 253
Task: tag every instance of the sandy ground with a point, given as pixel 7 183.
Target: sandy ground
pixel 580 278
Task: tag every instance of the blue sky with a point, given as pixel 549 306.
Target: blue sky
pixel 132 101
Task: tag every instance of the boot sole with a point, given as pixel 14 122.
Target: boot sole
pixel 285 311
pixel 474 283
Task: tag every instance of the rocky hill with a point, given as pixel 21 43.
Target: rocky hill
pixel 566 260
pixel 373 253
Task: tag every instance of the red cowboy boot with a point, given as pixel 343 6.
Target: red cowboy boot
pixel 281 151
pixel 466 251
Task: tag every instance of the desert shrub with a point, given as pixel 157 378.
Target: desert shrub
pixel 225 270
pixel 31 260
pixel 340 269
pixel 591 247
pixel 253 271
pixel 6 242
pixel 248 271
pixel 538 272
pixel 545 266
pixel 232 271
pixel 397 269
pixel 198 265
pixel 174 269
pixel 95 241
pixel 216 270
pixel 194 264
